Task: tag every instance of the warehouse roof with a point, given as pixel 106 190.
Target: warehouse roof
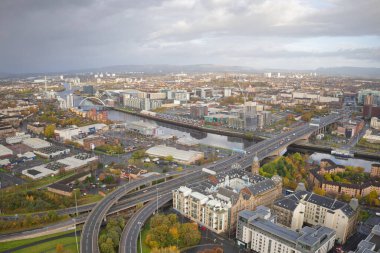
pixel 178 154
pixel 36 143
pixel 4 151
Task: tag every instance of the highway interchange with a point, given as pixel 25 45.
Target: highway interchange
pixel 122 198
pixel 90 232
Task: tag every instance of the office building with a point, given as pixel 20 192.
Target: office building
pixel 198 111
pixel 372 99
pixel 203 92
pixel 258 231
pixel 142 103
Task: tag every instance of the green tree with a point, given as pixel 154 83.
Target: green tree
pixel 107 247
pixel 169 158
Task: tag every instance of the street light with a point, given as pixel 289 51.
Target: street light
pixel 157 200
pixel 140 223
pixel 75 222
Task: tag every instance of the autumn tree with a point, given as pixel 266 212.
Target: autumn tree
pixel 319 191
pixel 59 248
pixel 49 131
pixel 170 249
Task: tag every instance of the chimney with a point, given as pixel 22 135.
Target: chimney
pixel 354 203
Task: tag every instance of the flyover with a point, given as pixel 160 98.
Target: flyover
pixel 128 239
pixel 91 228
pixel 90 232
pixel 116 201
pixel 263 149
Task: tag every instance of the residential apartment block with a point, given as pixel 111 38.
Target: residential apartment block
pixel 316 177
pixel 371 244
pixel 258 231
pixel 216 203
pixel 304 207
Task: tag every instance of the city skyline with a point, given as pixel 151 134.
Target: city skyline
pixel 48 36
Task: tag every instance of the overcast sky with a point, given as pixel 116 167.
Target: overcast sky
pixel 60 35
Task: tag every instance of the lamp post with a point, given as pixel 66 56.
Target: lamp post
pixel 157 200
pixel 140 223
pixel 75 222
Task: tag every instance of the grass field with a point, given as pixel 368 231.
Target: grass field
pixel 43 246
pixel 67 242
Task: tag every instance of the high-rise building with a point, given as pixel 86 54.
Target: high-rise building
pixel 250 108
pixel 203 92
pixel 198 111
pixel 258 231
pixel 70 101
pixel 375 96
pixel 227 92
pixel 369 99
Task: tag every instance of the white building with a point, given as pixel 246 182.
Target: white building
pixel 375 123
pixel 181 156
pixel 76 162
pixel 258 231
pixel 18 138
pixel 227 92
pixel 4 151
pixel 36 143
pixel 306 207
pixel 70 101
pixel 142 127
pixel 372 136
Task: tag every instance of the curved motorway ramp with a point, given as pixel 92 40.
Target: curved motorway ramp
pixel 128 240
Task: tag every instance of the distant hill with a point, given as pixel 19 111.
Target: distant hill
pixel 205 68
pixel 164 68
pixel 350 72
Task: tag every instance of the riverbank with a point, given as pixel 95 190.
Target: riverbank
pixel 247 136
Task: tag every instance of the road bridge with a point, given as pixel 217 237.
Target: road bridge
pixel 262 149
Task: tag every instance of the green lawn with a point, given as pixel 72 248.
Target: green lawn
pixel 89 198
pixel 67 242
pixel 13 244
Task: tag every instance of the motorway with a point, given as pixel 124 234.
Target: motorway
pixel 91 228
pixel 116 201
pixel 128 239
pixel 263 149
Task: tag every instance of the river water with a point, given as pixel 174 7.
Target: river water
pixel 168 129
pixel 209 138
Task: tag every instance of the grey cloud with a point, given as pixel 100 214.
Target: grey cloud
pixel 53 35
